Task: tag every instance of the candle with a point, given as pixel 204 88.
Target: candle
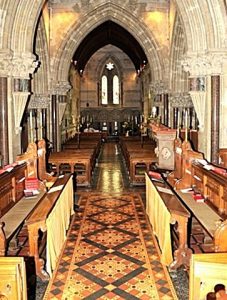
pixel 154 110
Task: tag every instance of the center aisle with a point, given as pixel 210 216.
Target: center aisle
pixel 110 252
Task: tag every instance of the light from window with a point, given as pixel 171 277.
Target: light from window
pixel 110 66
pixel 104 90
pixel 115 89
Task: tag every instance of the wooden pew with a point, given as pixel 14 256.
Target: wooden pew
pixel 181 177
pixel 58 200
pixel 13 283
pixel 43 175
pixel 12 222
pixel 212 184
pixel 80 162
pixel 12 185
pixel 138 158
pixel 15 207
pixel 209 217
pixel 160 197
pixel 30 157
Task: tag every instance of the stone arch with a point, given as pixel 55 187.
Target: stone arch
pixel 119 15
pixel 41 78
pixel 204 23
pixel 18 24
pixel 178 80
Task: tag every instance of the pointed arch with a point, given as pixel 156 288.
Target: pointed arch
pixel 205 24
pixel 178 80
pixel 117 14
pixel 18 35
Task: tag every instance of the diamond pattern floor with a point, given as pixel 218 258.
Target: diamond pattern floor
pixel 110 253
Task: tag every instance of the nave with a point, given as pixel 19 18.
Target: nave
pixel 110 252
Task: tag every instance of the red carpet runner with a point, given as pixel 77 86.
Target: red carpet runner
pixel 110 253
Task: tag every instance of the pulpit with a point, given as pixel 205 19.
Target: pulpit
pixel 164 137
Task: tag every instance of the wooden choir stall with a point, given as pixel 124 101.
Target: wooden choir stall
pixel 44 211
pixel 164 209
pixel 201 190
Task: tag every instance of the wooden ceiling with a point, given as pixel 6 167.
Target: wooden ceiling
pixel 109 33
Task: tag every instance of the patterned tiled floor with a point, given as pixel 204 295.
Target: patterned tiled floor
pixel 110 253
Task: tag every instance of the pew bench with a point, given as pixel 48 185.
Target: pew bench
pixel 214 228
pixel 12 186
pixel 51 216
pixel 164 209
pixel 69 162
pixel 139 164
pixel 138 159
pixel 14 220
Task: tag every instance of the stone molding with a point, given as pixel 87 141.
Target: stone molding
pixel 17 65
pixel 39 101
pixel 201 64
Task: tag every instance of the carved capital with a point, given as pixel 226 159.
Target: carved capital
pixel 202 64
pixel 61 88
pixel 39 101
pixel 159 87
pixel 18 65
pixel 180 100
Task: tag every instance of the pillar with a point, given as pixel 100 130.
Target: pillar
pixel 215 112
pixel 175 117
pixel 166 109
pixel 54 122
pixel 4 149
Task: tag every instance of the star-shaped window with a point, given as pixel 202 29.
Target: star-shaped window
pixel 110 66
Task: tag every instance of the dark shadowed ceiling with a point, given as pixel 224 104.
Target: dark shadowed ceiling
pixel 109 33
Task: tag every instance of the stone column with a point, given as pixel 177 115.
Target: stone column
pixel 205 65
pixel 4 149
pixel 175 117
pixel 54 122
pixel 166 109
pixel 17 68
pixel 215 104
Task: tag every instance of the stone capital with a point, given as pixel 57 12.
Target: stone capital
pixel 60 88
pixel 181 100
pixel 202 64
pixel 17 65
pixel 39 101
pixel 159 87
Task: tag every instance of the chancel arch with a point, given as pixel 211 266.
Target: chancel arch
pixel 120 16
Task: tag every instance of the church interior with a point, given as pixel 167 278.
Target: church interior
pixel 113 149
